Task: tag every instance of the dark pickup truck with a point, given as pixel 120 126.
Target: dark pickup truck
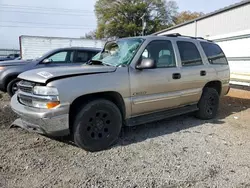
pixel 9 70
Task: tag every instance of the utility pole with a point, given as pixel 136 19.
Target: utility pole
pixel 144 24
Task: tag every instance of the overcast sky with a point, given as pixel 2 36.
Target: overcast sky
pixel 66 18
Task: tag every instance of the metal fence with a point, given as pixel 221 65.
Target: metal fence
pixel 6 52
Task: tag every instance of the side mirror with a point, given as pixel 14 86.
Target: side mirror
pixel 47 61
pixel 146 64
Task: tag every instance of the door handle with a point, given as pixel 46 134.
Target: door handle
pixel 203 73
pixel 176 76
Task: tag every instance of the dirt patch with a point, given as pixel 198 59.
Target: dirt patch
pixel 178 152
pixel 6 114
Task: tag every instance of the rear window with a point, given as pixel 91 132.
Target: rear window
pixel 214 53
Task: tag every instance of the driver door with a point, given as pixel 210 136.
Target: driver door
pixel 156 89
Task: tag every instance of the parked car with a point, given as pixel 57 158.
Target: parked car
pixel 132 81
pixel 10 57
pixel 9 70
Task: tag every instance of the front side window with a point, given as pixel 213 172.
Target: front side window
pixel 60 57
pixel 162 52
pixel 214 53
pixel 120 52
pixel 189 53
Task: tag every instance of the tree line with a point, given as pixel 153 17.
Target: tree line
pixel 127 18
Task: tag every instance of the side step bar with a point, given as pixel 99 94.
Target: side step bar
pixel 160 115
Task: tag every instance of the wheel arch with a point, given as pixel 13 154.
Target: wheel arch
pixel 79 102
pixel 9 79
pixel 216 84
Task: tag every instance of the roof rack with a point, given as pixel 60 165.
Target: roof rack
pixel 179 35
pixel 173 35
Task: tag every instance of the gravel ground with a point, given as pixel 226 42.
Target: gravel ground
pixel 178 152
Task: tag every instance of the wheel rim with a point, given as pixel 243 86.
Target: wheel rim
pixel 98 125
pixel 210 105
pixel 14 88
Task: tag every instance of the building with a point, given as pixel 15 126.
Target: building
pixel 230 28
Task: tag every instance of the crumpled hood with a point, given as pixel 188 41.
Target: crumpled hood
pixel 43 75
pixel 14 63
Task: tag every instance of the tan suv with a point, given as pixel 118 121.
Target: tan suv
pixel 132 81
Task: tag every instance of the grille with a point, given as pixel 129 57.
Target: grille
pixel 25 86
pixel 27 101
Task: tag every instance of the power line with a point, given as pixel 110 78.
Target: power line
pixel 43 8
pixel 47 13
pixel 37 27
pixel 39 23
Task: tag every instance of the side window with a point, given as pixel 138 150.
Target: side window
pixel 162 52
pixel 60 57
pixel 189 53
pixel 214 53
pixel 93 54
pixel 82 56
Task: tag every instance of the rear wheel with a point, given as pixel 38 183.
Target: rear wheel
pixel 12 87
pixel 97 126
pixel 208 104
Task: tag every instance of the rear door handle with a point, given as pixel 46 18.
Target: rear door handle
pixel 176 76
pixel 203 73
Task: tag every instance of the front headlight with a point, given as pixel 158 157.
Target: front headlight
pixel 45 104
pixel 45 91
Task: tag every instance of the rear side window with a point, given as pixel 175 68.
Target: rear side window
pixel 83 56
pixel 190 56
pixel 214 53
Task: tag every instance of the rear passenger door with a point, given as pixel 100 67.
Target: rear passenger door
pixel 194 72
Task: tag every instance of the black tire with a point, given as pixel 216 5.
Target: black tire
pixel 12 87
pixel 97 126
pixel 208 104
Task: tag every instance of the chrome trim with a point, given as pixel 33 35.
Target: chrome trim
pixel 37 97
pixel 153 100
pixel 165 96
pixel 22 85
pixel 26 86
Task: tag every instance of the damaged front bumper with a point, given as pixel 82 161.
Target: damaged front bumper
pixel 52 122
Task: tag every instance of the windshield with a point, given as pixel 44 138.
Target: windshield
pixel 119 52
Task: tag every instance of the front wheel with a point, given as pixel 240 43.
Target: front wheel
pixel 208 104
pixel 12 87
pixel 97 126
